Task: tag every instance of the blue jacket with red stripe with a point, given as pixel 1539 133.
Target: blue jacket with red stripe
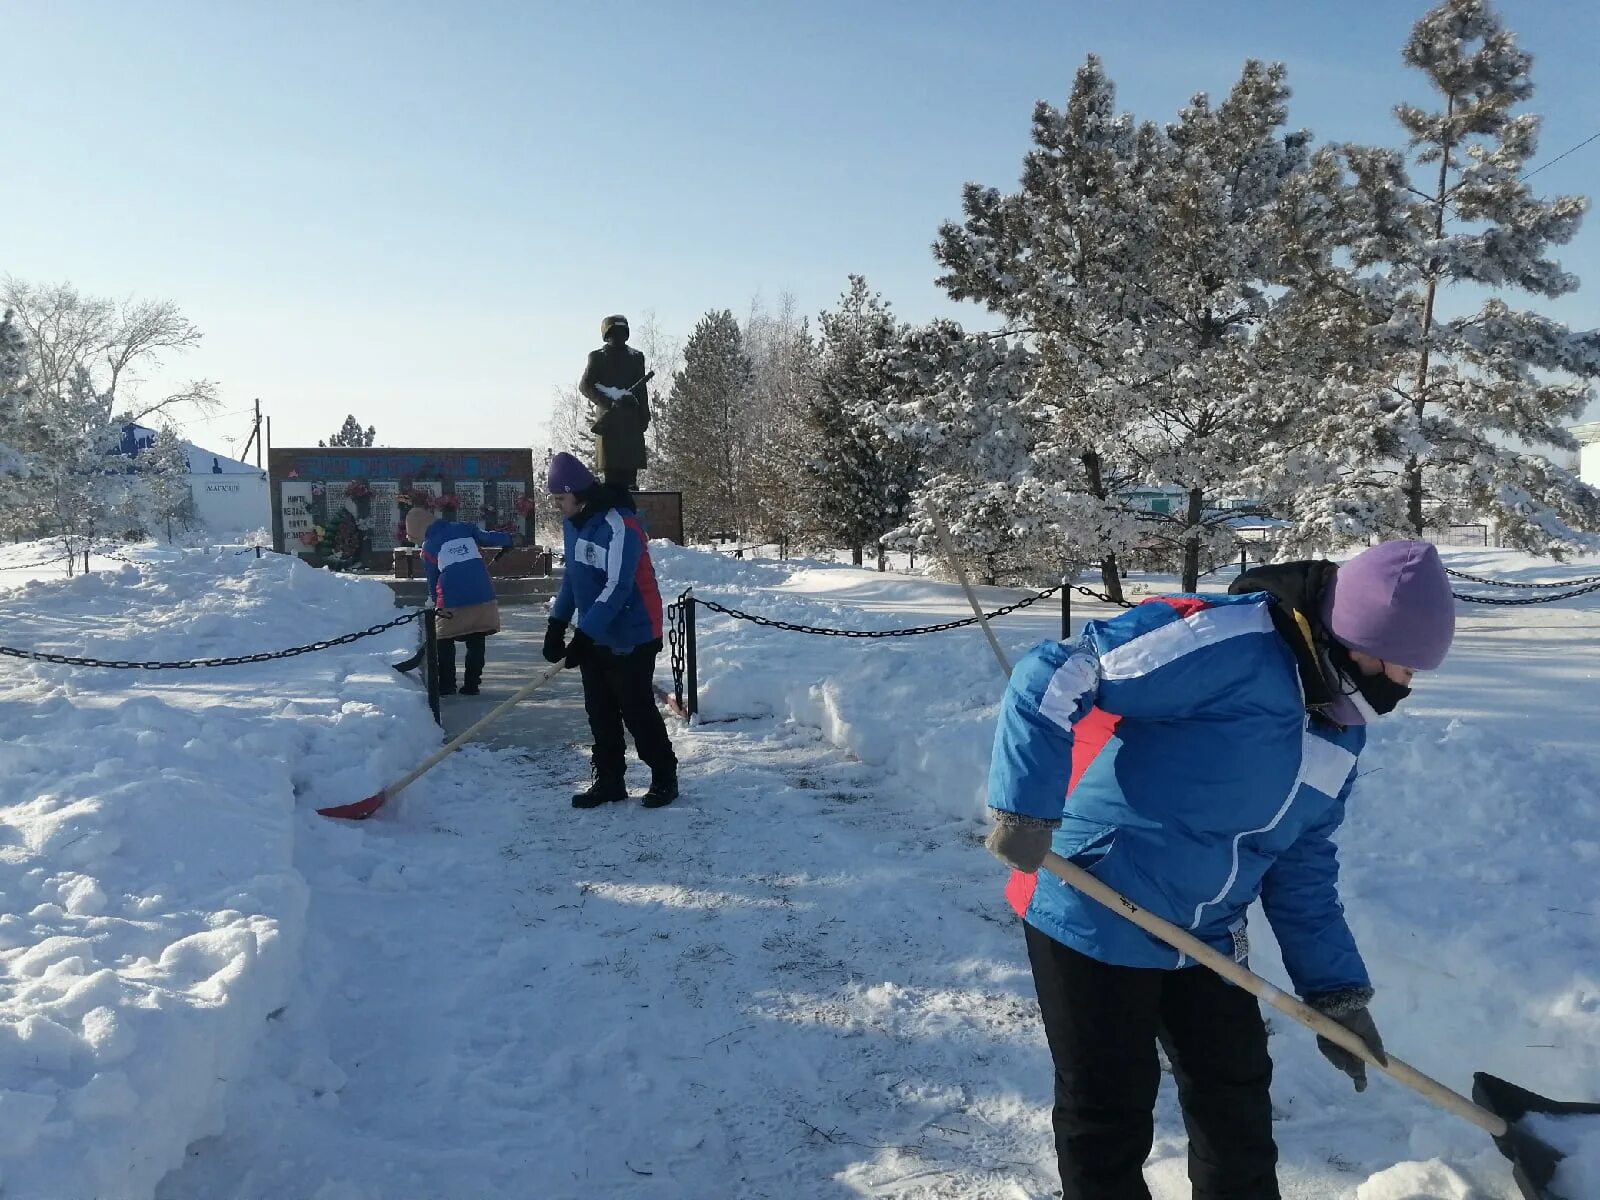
pixel 609 581
pixel 457 575
pixel 1174 744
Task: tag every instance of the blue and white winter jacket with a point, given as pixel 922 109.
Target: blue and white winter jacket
pixel 1174 744
pixel 609 580
pixel 457 575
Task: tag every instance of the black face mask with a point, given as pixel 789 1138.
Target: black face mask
pixel 1379 691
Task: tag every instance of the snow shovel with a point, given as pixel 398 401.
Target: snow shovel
pixel 362 809
pixel 1500 1104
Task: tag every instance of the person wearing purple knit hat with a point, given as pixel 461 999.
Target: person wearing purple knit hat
pixel 609 585
pixel 1196 754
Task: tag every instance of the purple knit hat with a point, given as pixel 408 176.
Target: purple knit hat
pixel 1393 602
pixel 567 474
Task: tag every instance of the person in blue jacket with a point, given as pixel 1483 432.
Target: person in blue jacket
pixel 1196 754
pixel 462 592
pixel 610 585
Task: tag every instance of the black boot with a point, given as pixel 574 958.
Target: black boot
pixel 663 788
pixel 474 676
pixel 608 786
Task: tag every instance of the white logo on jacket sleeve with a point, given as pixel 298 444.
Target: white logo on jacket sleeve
pixel 590 554
pixel 458 550
pixel 1325 765
pixel 1074 679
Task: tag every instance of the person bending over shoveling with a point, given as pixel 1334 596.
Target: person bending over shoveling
pixel 611 586
pixel 1195 754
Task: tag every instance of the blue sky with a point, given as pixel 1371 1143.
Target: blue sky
pixel 418 212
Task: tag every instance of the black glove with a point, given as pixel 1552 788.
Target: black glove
pixel 579 650
pixel 1349 1008
pixel 555 641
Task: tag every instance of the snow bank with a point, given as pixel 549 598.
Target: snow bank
pixel 1578 1138
pixel 150 914
pixel 920 707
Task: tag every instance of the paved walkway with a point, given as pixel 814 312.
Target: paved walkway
pixel 552 716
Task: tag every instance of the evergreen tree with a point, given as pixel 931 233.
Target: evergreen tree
pixel 702 447
pixel 783 373
pixel 958 403
pixel 1222 293
pixel 13 396
pixel 1147 266
pixel 862 479
pixel 1441 411
pixel 1062 259
pixel 166 502
pixel 351 434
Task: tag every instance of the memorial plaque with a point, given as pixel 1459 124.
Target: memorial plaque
pixel 294 506
pixel 385 515
pixel 471 497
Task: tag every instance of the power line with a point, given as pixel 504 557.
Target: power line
pixel 216 417
pixel 1591 138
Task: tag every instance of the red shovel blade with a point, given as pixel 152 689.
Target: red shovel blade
pixel 360 810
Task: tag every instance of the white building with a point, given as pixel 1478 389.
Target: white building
pixel 229 496
pixel 1589 452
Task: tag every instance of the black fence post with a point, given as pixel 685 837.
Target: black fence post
pixel 691 703
pixel 85 562
pixel 258 551
pixel 430 653
pixel 1066 608
pixel 1244 558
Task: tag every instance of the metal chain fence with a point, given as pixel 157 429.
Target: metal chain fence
pixel 238 660
pixel 1506 583
pixel 681 635
pixel 1517 601
pixel 43 562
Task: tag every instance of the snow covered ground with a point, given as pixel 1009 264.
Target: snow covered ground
pixel 151 914
pixel 800 980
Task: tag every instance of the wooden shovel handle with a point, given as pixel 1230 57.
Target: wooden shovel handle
pixel 461 739
pixel 1185 942
pixel 948 549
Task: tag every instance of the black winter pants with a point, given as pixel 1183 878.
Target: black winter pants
pixel 618 690
pixel 1102 1023
pixel 475 657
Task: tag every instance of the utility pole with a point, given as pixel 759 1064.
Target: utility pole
pixel 255 438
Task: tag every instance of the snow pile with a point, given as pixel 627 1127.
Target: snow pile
pixel 1577 1137
pixel 150 914
pixel 920 707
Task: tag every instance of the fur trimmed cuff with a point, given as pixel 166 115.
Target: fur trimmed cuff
pixel 1011 820
pixel 1341 1003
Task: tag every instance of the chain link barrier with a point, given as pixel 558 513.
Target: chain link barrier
pixel 74 555
pixel 680 618
pixel 1520 601
pixel 914 631
pixel 43 562
pixel 239 660
pixel 1506 583
pixel 676 639
pixel 1578 587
